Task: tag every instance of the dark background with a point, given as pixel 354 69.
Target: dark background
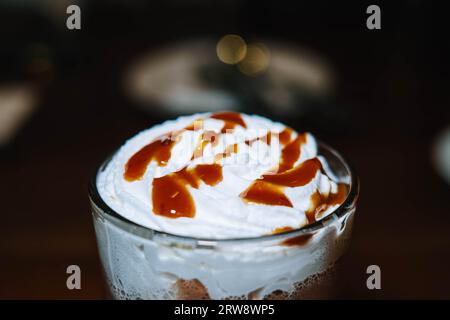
pixel 392 90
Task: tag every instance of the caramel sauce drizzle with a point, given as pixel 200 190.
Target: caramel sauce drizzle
pixel 285 135
pixel 320 203
pixel 282 229
pixel 263 192
pixel 296 177
pixel 291 153
pixel 231 119
pixel 269 188
pixel 195 126
pixel 170 194
pixel 159 150
pixel 211 174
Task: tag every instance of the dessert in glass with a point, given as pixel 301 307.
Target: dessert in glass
pixel 222 206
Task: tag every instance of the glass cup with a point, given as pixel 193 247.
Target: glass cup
pixel 141 263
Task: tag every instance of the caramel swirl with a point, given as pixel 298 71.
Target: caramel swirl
pixel 159 150
pixel 170 194
pixel 269 188
pixel 291 153
pixel 231 119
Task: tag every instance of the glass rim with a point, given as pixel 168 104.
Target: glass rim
pixel 149 233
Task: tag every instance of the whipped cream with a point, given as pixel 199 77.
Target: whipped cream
pixel 227 207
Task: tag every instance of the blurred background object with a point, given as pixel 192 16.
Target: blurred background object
pixel 16 105
pixel 266 78
pixel 68 98
pixel 441 154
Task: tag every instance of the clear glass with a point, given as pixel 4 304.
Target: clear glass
pixel 141 263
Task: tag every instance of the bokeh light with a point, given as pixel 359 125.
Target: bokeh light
pixel 231 49
pixel 256 59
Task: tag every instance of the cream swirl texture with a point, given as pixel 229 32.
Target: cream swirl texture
pixel 223 175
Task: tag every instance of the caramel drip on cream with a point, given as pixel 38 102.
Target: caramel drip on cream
pixel 170 194
pixel 320 202
pixel 159 150
pixel 285 135
pixel 263 192
pixel 296 177
pixel 291 153
pixel 231 119
pixel 282 229
pixel 269 188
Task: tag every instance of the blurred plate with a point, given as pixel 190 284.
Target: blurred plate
pixel 188 77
